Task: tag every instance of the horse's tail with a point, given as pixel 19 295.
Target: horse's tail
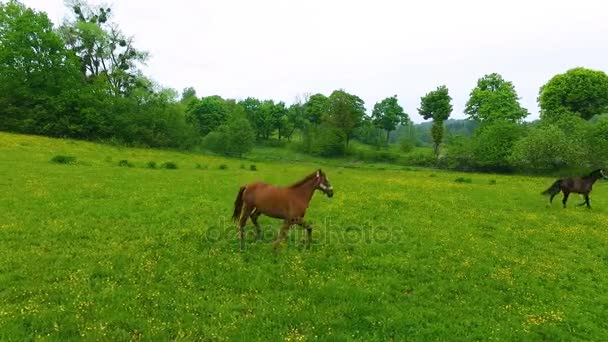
pixel 553 189
pixel 238 204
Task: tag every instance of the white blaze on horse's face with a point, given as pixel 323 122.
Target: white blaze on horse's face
pixel 324 185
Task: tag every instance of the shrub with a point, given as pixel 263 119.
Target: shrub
pixel 406 145
pixel 125 163
pixel 546 148
pixel 463 180
pixel 252 167
pixel 151 165
pixel 234 138
pixel 223 167
pixel 200 167
pixel 61 159
pixel 169 166
pixel 492 146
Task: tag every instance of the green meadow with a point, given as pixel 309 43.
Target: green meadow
pixel 113 246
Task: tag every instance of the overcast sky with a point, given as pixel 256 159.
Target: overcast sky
pixel 278 49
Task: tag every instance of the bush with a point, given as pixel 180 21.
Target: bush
pixel 459 154
pixel 406 145
pixel 492 146
pixel 597 142
pixel 223 167
pixel 324 141
pixel 422 158
pixel 234 138
pixel 168 166
pixel 125 163
pixel 253 167
pixel 200 167
pixel 376 156
pixel 151 165
pixel 463 180
pixel 61 159
pixel 547 148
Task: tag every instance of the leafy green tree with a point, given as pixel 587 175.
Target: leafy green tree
pixel 252 112
pixel 295 120
pixel 104 51
pixel 436 105
pixel 39 78
pixel 265 122
pixel 345 112
pixel 239 135
pixel 207 114
pixel 494 99
pixel 188 94
pixel 234 138
pixel 368 133
pixel 387 114
pixel 279 118
pixel 316 108
pixel 579 91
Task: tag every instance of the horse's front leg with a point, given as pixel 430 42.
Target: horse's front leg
pixel 587 201
pixel 565 199
pixel 308 228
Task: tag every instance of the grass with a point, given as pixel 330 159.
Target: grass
pixel 100 252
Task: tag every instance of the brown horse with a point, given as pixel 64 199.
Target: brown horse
pixel 286 203
pixel 581 185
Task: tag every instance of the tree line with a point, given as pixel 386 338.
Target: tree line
pixel 83 80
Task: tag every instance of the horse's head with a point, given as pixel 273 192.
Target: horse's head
pixel 322 183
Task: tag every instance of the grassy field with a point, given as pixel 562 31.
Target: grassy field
pixel 95 251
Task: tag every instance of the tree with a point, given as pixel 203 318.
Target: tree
pixel 387 114
pixel 494 99
pixel 579 91
pixel 436 105
pixel 345 112
pixel 39 78
pixel 188 94
pixel 104 51
pixel 295 119
pixel 207 114
pixel 316 108
pixel 279 118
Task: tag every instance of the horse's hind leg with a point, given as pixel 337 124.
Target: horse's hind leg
pixel 246 212
pixel 552 195
pixel 282 233
pixel 254 218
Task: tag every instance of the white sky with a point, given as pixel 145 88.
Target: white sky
pixel 273 49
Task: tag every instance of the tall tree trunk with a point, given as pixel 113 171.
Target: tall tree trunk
pixel 388 134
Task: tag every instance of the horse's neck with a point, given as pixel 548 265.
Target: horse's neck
pixel 306 189
pixel 594 178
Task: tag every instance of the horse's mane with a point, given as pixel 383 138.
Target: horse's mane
pixel 594 172
pixel 306 179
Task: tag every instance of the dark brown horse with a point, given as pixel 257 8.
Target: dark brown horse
pixel 286 203
pixel 581 185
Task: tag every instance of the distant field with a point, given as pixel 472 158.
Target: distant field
pixel 92 250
